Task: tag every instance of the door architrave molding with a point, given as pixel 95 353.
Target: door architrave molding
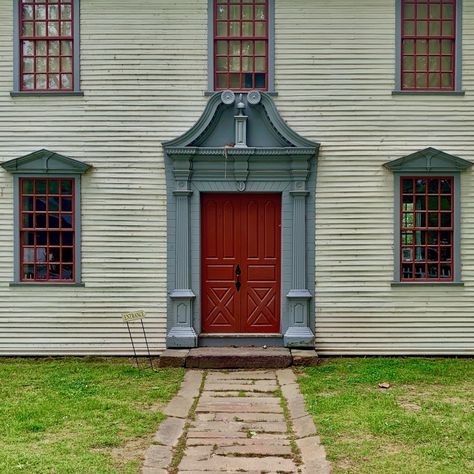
pixel 284 163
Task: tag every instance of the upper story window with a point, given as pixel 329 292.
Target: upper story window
pixel 47 46
pixel 241 45
pixel 429 45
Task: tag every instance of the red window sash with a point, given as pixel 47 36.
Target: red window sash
pixel 47 229
pixel 227 38
pixel 47 39
pixel 428 37
pixel 427 228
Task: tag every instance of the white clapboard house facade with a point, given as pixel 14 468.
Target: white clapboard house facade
pixel 246 172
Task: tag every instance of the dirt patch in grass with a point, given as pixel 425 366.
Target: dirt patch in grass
pixel 408 404
pixel 132 451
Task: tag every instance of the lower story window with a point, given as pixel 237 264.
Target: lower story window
pixel 47 229
pixel 427 228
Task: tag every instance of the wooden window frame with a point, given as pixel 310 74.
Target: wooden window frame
pixel 47 221
pixel 18 54
pixel 270 51
pixel 428 163
pixel 419 206
pixel 456 88
pixel 18 279
pixel 456 229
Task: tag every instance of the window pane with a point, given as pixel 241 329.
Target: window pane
pixel 53 204
pixel 66 81
pixel 54 238
pixel 66 48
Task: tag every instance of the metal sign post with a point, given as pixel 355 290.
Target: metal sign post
pixel 134 317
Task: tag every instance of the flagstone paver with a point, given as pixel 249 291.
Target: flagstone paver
pixel 236 422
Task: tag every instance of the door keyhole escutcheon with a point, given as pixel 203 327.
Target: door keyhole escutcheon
pixel 238 272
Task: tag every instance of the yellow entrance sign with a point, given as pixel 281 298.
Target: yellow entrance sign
pixel 135 316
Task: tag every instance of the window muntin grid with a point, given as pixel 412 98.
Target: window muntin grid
pixel 427 228
pixel 46 45
pixel 428 44
pixel 47 228
pixel 241 44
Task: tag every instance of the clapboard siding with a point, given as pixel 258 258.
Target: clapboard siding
pixel 143 72
pixel 335 63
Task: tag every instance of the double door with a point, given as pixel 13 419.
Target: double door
pixel 240 263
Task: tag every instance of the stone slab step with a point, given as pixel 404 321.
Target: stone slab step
pixel 238 358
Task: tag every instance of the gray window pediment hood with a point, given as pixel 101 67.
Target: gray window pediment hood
pixel 241 144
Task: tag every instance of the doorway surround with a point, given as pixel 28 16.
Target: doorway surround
pixel 241 144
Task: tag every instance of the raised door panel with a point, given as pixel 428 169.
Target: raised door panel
pixel 261 264
pixel 220 215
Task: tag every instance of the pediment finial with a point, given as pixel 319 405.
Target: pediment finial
pixel 241 125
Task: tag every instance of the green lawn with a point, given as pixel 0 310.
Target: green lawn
pixel 79 415
pixel 423 424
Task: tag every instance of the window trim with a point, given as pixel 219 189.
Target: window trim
pixel 456 245
pixel 457 56
pixel 43 164
pixel 428 162
pixel 76 90
pixel 17 229
pixel 271 48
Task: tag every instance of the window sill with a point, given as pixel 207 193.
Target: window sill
pixel 211 93
pixel 48 285
pixel 47 94
pixel 426 283
pixel 429 93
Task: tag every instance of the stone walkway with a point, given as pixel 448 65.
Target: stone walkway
pixel 236 422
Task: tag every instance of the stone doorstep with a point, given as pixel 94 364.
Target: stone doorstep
pixel 304 357
pixel 238 358
pixel 174 358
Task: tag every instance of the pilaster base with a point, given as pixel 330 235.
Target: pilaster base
pixel 299 334
pixel 181 334
pixel 181 337
pixel 298 337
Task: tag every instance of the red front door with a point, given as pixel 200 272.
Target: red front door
pixel 240 251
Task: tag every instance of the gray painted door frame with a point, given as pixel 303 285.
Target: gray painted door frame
pixel 289 170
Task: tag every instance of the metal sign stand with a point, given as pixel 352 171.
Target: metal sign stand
pixel 132 317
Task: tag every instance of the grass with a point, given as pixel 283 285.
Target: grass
pixel 79 415
pixel 422 424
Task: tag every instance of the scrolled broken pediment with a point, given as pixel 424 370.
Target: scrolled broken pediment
pixel 241 124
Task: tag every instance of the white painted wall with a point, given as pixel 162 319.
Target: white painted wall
pixel 144 70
